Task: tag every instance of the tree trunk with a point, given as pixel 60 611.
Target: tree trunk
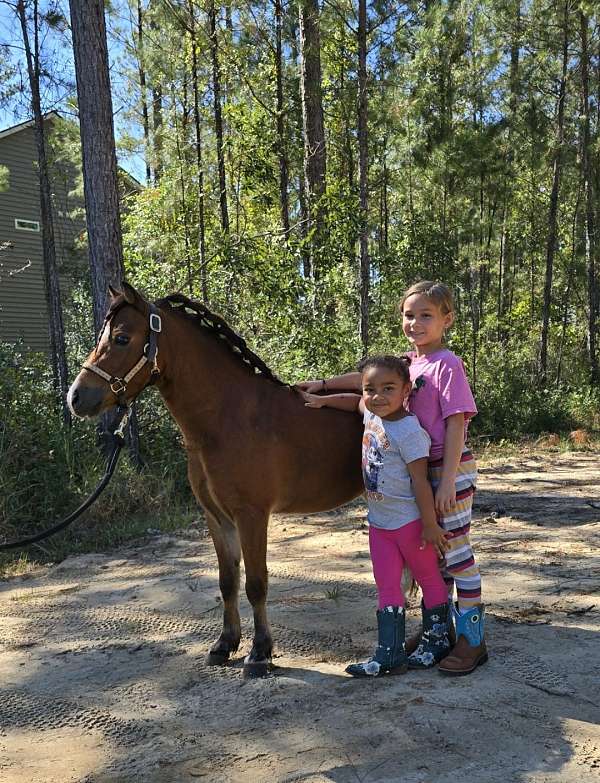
pixel 100 184
pixel 214 51
pixel 567 295
pixel 312 114
pixel 348 153
pixel 363 165
pixel 384 213
pixel 281 141
pixel 181 159
pixel 157 123
pixel 298 137
pixel 143 89
pixel 590 234
pixel 98 152
pixel 505 280
pixel 199 161
pixel 553 212
pixel 53 295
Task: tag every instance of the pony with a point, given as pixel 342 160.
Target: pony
pixel 253 448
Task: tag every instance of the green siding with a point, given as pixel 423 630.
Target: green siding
pixel 23 313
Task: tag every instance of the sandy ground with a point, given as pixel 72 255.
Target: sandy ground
pixel 103 676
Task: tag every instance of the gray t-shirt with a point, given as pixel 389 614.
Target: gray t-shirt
pixel 387 448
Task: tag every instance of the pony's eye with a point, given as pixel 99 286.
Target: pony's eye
pixel 121 339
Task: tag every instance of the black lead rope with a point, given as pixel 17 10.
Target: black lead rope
pixel 119 438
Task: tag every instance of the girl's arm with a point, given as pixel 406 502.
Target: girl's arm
pixel 432 532
pixel 350 380
pixel 454 441
pixel 342 402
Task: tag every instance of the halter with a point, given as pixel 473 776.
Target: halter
pixel 118 386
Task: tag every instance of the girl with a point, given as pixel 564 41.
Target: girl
pixel 442 400
pixel 402 519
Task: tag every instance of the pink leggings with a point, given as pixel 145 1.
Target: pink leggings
pixel 390 551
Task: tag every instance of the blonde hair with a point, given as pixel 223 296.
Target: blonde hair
pixel 439 294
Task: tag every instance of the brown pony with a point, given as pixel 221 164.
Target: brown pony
pixel 253 447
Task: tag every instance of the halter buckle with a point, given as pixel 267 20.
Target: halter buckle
pixel 155 323
pixel 118 386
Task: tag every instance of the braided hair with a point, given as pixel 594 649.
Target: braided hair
pixel 220 329
pixel 399 364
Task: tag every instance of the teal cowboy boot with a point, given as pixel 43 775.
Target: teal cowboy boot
pixel 434 644
pixel 470 651
pixel 390 656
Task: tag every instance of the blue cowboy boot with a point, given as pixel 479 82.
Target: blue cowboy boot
pixel 434 644
pixel 469 651
pixel 390 657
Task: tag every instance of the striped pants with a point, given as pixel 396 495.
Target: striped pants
pixel 460 567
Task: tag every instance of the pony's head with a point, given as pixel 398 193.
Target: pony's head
pixel 123 361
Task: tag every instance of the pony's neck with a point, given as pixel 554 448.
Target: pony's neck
pixel 198 377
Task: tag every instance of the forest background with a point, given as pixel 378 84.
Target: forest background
pixel 303 163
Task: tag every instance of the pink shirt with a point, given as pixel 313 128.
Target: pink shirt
pixel 440 388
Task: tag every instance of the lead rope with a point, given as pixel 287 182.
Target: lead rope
pixel 119 388
pixel 119 439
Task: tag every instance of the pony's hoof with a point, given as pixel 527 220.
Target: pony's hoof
pixel 217 658
pixel 256 669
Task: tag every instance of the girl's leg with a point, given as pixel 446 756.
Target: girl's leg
pixel 470 650
pixel 460 560
pixel 433 644
pixel 423 564
pixel 390 655
pixel 461 567
pixel 387 563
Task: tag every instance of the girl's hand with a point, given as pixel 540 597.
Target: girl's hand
pixel 312 387
pixel 445 498
pixel 437 537
pixel 312 400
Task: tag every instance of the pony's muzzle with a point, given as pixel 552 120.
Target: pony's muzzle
pixel 85 401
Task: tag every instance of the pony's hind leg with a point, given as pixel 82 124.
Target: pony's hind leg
pixel 253 535
pixel 227 546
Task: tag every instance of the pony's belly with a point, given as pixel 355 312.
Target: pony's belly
pixel 320 499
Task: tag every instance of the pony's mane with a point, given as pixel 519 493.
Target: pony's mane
pixel 201 316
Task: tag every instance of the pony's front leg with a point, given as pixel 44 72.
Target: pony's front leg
pixel 227 546
pixel 253 535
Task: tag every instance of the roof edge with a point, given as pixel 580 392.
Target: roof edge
pixel 27 124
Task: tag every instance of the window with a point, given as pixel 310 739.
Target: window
pixel 27 225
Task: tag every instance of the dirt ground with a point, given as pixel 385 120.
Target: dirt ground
pixel 103 676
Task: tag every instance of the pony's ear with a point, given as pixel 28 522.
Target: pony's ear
pixel 113 292
pixel 132 296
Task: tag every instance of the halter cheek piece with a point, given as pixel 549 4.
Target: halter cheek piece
pixel 117 385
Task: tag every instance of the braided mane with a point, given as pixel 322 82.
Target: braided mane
pixel 219 328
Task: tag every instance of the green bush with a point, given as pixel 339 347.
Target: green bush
pixel 47 469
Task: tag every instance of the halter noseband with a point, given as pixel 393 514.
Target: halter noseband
pixel 118 386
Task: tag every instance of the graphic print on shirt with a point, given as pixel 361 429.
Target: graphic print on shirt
pixel 374 445
pixel 418 383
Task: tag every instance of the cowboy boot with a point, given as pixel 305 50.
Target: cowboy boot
pixel 470 650
pixel 434 644
pixel 390 657
pixel 415 639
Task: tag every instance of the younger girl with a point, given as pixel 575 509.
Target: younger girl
pixel 402 519
pixel 442 400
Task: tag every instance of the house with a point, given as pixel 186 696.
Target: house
pixel 23 311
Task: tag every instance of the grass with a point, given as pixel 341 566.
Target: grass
pixel 334 593
pixel 13 566
pixel 95 536
pixel 488 452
